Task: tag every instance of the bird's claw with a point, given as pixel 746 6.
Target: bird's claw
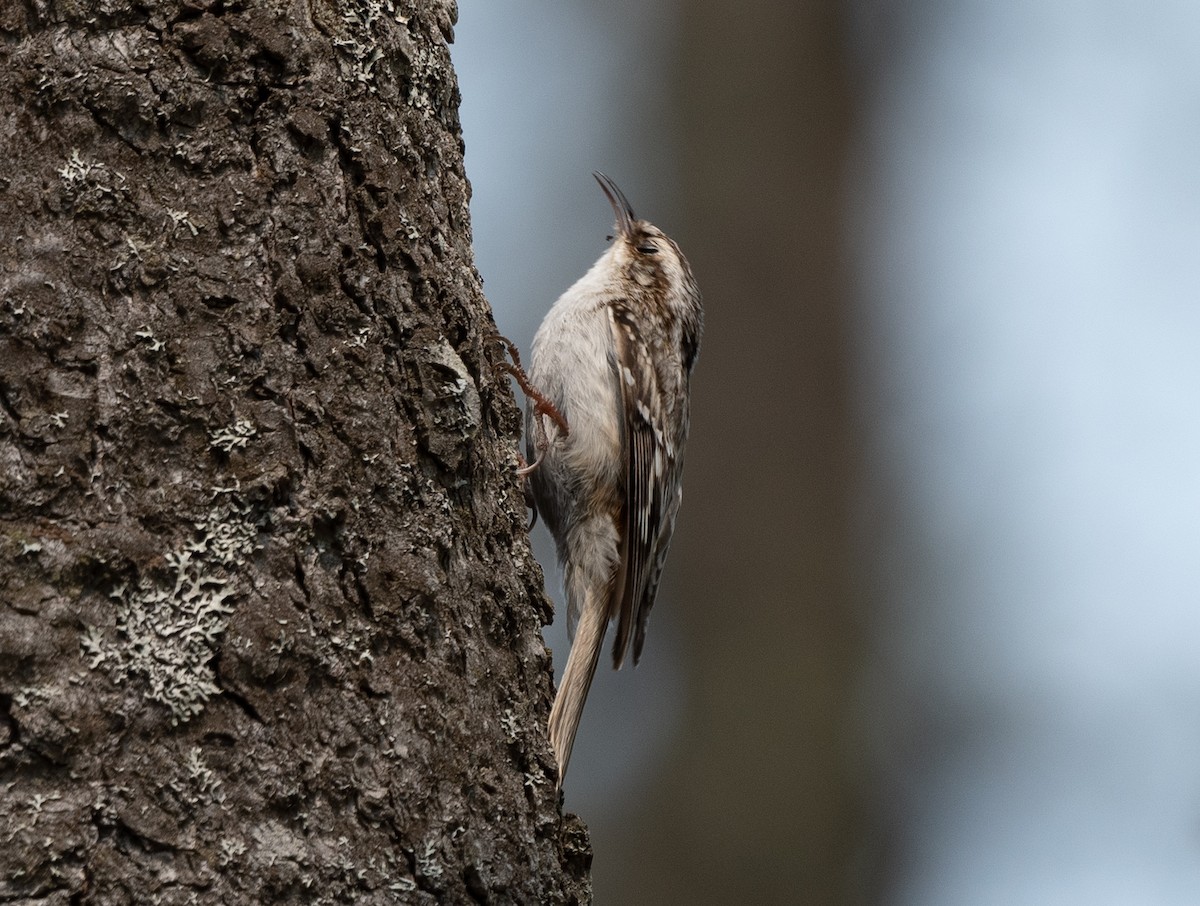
pixel 542 408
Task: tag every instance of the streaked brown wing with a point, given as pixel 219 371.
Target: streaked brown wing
pixel 650 464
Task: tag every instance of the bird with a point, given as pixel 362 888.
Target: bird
pixel 613 361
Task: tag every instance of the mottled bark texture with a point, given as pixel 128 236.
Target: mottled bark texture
pixel 269 622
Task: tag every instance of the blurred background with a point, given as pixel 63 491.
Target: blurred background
pixel 929 633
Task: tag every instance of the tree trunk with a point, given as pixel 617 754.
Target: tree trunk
pixel 269 621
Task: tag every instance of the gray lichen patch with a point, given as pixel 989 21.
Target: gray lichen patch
pixel 234 437
pixel 169 625
pixel 358 36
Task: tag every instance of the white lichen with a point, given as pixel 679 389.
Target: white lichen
pixel 93 647
pixel 179 218
pixel 169 624
pixel 533 781
pixel 427 862
pixel 409 229
pixel 358 40
pixel 509 724
pixel 92 179
pixel 233 437
pixel 148 335
pixel 76 169
pixel 230 852
pixel 203 784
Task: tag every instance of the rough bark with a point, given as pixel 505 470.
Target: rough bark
pixel 269 621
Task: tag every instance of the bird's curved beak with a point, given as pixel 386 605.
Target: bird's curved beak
pixel 620 204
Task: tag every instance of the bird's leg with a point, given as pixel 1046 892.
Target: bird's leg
pixel 542 407
pixel 541 442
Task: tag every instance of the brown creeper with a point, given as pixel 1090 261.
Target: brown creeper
pixel 614 355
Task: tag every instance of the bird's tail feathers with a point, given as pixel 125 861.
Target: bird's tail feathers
pixel 577 679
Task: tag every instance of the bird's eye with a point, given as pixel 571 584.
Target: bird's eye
pixel 648 249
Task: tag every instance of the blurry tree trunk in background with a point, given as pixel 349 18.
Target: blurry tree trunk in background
pixel 759 803
pixel 269 622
